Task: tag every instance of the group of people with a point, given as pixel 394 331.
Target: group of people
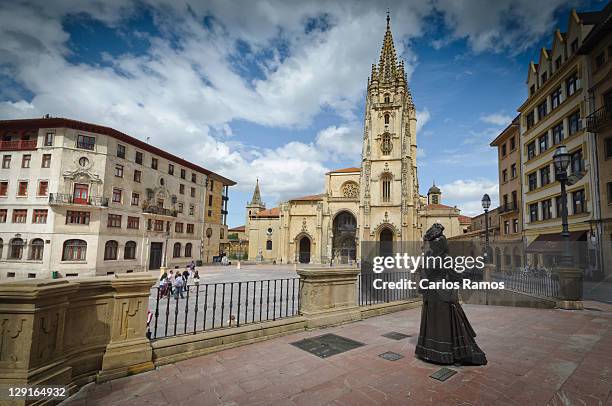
pixel 176 284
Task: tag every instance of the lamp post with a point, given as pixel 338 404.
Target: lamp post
pixel 486 203
pixel 561 159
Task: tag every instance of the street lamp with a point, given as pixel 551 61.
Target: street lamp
pixel 486 203
pixel 561 159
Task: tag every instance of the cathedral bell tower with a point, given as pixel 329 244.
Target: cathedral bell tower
pixel 254 206
pixel 389 186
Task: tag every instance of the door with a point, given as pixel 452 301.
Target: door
pixel 305 250
pixel 81 193
pixel 155 255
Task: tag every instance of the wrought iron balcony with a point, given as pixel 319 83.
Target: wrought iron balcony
pixel 160 211
pixel 508 207
pixel 64 198
pixel 601 117
pixel 18 145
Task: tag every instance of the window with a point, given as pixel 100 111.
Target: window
pixel 180 207
pixel 158 225
pixel 515 226
pixel 545 176
pixel 110 250
pixel 121 151
pixel 608 147
pixel 176 251
pixel 531 150
pixel 170 169
pixel 608 186
pixel 557 133
pixel 20 215
pixel 182 189
pixel 600 59
pixel 386 119
pixel 16 248
pixel 188 249
pixel 135 199
pixel 190 228
pixel 574 123
pixel 505 175
pixel 3 215
pixel 512 144
pixel 513 171
pixel 385 145
pixel 49 139
pixel 154 163
pixel 178 227
pixel 542 110
pixel 574 46
pixel 191 209
pixel 212 185
pixel 117 194
pixel 571 84
pixel 133 223
pixel 3 188
pixel 503 150
pixel 39 216
pixel 86 142
pixel 530 120
pixel 137 176
pixel 543 143
pixel 555 98
pixel 269 245
pixel 514 200
pixel 578 201
pixel 558 206
pixel 544 77
pixel 119 171
pixel 194 178
pixel 576 162
pixel 114 221
pixel 183 173
pixel 506 227
pixel 25 161
pixel 558 63
pixel 193 192
pixel 386 188
pixel 22 190
pixel 129 251
pixel 532 90
pixel 37 248
pixel 46 161
pixel 6 162
pixel 546 209
pixel 210 200
pixel 533 212
pixel 532 181
pixel 387 99
pixel 138 158
pixel 209 214
pixel 74 250
pixel 77 217
pixel 43 188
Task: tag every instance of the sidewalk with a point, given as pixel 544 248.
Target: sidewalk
pixel 536 357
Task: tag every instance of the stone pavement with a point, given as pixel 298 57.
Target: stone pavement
pixel 536 357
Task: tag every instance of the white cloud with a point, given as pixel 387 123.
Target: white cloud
pixel 497 119
pixel 466 194
pixel 342 142
pixel 422 117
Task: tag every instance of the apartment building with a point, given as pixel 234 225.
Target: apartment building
pixel 553 115
pixel 81 199
pixel 597 49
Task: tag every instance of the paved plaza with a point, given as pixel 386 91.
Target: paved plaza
pixel 536 357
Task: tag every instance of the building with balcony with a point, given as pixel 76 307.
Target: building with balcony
pixel 554 114
pixel 83 200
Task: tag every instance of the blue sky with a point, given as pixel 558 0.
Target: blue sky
pixel 275 90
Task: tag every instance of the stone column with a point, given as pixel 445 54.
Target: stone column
pixel 128 351
pixel 328 296
pixel 570 288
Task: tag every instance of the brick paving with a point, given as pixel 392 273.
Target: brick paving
pixel 536 357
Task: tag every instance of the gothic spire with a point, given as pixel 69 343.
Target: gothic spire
pixel 387 66
pixel 256 200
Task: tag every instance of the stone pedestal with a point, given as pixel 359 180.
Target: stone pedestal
pixel 328 296
pixel 570 288
pixel 128 351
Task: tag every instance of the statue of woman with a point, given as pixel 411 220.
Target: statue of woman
pixel 446 336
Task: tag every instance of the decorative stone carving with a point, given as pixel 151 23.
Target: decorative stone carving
pixel 350 189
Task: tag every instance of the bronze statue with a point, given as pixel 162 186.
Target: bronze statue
pixel 446 336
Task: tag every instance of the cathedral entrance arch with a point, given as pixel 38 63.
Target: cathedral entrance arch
pixel 304 250
pixel 345 241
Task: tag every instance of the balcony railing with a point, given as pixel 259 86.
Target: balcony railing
pixel 508 207
pixel 64 198
pixel 599 119
pixel 160 211
pixel 18 145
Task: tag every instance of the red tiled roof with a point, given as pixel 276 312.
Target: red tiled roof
pixel 270 213
pixel 465 219
pixel 238 229
pixel 346 170
pixel 58 122
pixel 309 197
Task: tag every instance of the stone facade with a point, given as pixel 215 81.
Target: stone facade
pixel 84 200
pixel 436 212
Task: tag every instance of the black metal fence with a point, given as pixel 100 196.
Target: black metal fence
pixel 369 294
pixel 540 285
pixel 211 306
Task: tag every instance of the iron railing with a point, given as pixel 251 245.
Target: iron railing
pixel 369 295
pixel 508 207
pixel 596 120
pixel 540 285
pixel 160 211
pixel 64 198
pixel 213 306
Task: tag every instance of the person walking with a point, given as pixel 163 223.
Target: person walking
pixel 185 279
pixel 196 278
pixel 178 287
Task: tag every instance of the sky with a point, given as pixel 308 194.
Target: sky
pixel 275 89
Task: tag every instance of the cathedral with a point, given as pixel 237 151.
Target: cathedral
pixel 378 201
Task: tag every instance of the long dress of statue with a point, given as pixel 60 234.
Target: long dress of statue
pixel 446 336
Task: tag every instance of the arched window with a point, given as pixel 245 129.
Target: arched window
pixel 385 145
pixel 16 248
pixel 269 245
pixel 386 119
pixel 385 181
pixel 110 250
pixel 37 248
pixel 387 98
pixel 188 249
pixel 176 252
pixel 74 250
pixel 129 251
